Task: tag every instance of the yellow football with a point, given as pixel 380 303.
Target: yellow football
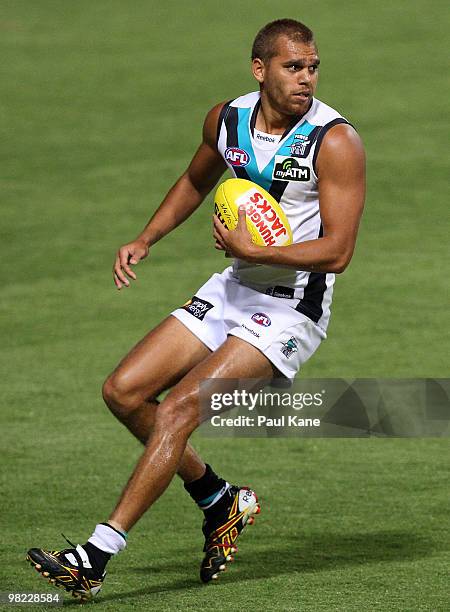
pixel 266 221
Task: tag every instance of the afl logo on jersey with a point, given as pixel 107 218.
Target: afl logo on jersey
pixel 237 157
pixel 261 319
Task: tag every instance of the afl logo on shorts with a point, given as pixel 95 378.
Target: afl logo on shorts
pixel 261 319
pixel 237 157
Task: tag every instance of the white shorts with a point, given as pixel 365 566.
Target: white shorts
pixel 222 307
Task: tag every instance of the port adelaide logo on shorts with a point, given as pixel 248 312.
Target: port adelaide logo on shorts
pixel 197 307
pixel 261 319
pixel 289 347
pixel 237 157
pixel 288 169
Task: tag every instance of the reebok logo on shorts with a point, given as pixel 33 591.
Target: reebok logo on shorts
pixel 252 331
pixel 198 308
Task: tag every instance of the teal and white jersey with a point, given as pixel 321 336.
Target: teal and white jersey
pixel 284 166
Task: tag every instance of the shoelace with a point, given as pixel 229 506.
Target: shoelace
pixel 68 541
pixel 81 574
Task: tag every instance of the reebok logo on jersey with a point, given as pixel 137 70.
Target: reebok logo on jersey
pixel 288 169
pixel 198 308
pixel 265 138
pixel 281 292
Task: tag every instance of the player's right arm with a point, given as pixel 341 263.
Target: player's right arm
pixel 186 195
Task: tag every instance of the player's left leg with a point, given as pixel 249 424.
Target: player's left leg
pixel 177 417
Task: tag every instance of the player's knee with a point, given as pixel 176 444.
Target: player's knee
pixel 177 415
pixel 120 398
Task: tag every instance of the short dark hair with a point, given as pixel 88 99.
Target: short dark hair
pixel 264 43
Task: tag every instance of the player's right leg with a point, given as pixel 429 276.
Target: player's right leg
pixel 155 364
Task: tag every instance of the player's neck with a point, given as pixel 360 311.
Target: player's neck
pixel 272 121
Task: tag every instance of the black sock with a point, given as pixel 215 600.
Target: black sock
pixel 98 558
pixel 205 488
pixel 215 512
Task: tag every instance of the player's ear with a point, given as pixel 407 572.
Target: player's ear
pixel 258 69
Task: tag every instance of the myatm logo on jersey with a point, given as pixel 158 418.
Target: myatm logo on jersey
pixel 288 169
pixel 237 157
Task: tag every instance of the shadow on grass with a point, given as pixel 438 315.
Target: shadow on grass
pixel 306 553
pixel 165 587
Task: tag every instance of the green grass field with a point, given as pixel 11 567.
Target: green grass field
pixel 101 107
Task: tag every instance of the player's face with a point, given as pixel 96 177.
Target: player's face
pixel 289 79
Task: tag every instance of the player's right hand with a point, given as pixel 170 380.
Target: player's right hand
pixel 128 254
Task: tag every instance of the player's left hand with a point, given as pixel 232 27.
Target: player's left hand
pixel 237 243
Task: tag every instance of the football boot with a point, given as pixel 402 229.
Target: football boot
pixel 221 530
pixel 69 568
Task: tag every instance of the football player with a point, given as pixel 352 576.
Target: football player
pixel 311 160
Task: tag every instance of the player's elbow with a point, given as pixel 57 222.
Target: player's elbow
pixel 339 266
pixel 341 261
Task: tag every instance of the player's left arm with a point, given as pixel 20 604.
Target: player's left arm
pixel 341 173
